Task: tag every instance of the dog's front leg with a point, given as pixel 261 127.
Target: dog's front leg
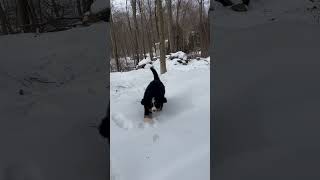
pixel 147 115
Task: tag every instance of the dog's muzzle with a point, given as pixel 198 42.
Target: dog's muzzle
pixel 153 109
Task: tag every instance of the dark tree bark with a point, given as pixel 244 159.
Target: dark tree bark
pixel 55 8
pixel 170 26
pixel 177 35
pixel 114 44
pixel 163 68
pixel 3 20
pixel 142 29
pixel 151 27
pixel 79 8
pixel 136 46
pixel 23 16
pixel 144 19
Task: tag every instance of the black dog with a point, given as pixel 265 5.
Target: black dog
pixel 104 127
pixel 153 98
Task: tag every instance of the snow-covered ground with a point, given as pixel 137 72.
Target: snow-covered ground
pixel 177 146
pixel 46 133
pixel 266 92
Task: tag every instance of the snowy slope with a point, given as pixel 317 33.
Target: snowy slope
pixel 265 12
pixel 177 146
pixel 45 134
pixel 266 74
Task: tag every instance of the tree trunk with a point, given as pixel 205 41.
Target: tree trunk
pixel 32 16
pixel 55 8
pixel 3 20
pixel 136 46
pixel 170 26
pixel 40 11
pixel 79 8
pixel 149 34
pixel 203 31
pixel 23 16
pixel 178 46
pixel 163 68
pixel 142 29
pixel 130 27
pixel 157 20
pixel 86 5
pixel 114 44
pixel 151 27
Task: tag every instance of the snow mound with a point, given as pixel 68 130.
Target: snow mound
pixel 144 61
pixel 179 54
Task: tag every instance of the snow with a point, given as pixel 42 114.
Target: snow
pixel 177 145
pixel 266 94
pixel 144 61
pixel 261 12
pixel 99 5
pixel 46 133
pixel 179 54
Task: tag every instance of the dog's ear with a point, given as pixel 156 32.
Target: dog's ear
pixel 164 100
pixel 143 101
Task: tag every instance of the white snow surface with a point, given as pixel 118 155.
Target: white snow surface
pixel 147 60
pixel 45 133
pixel 262 11
pixel 177 145
pixel 179 54
pixel 265 72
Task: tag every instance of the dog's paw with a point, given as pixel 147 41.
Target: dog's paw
pixel 148 119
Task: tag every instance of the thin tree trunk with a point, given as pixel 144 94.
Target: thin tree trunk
pixel 178 46
pixel 32 16
pixel 163 68
pixel 151 27
pixel 134 11
pixel 142 28
pixel 157 20
pixel 114 42
pixel 203 31
pixel 170 26
pixel 23 16
pixel 79 9
pixel 3 20
pixel 149 38
pixel 55 8
pixel 40 11
pixel 130 27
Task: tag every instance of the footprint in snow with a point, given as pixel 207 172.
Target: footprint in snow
pixel 143 125
pixel 121 121
pixel 155 138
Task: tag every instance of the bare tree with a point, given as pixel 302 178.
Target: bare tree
pixel 55 8
pixel 23 15
pixel 142 29
pixel 79 9
pixel 114 44
pixel 170 26
pixel 156 19
pixel 163 68
pixel 151 26
pixel 134 12
pixel 203 31
pixel 177 35
pixel 3 20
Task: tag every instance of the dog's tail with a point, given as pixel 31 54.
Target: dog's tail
pixel 155 74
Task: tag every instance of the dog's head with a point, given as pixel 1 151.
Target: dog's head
pixel 154 104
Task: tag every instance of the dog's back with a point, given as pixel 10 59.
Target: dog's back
pixel 156 87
